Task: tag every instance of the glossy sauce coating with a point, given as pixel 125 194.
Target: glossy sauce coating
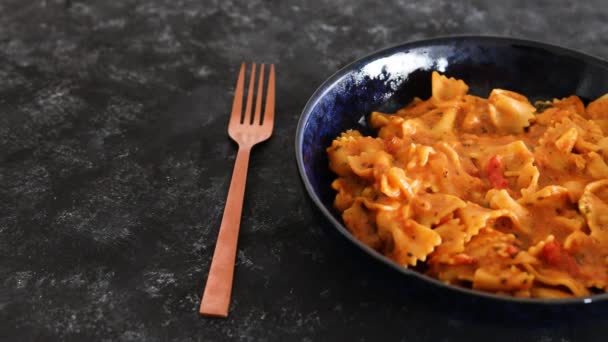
pixel 497 194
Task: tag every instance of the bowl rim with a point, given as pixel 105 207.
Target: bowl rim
pixel 335 77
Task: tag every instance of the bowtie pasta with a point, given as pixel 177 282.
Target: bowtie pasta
pixel 496 194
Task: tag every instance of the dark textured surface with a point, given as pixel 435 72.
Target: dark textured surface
pixel 114 166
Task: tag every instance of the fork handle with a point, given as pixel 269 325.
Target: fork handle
pixel 216 296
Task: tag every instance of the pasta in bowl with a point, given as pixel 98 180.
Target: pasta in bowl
pixel 501 200
pixel 491 193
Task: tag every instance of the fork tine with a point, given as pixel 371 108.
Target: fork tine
pixel 247 115
pixel 258 102
pixel 269 105
pixel 237 104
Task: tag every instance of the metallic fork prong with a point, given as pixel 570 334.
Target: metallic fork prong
pixel 247 115
pixel 269 104
pixel 258 102
pixel 237 104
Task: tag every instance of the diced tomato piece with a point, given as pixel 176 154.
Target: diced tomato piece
pixel 551 253
pixel 512 250
pixel 556 256
pixel 494 170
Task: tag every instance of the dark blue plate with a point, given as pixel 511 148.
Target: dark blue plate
pixel 388 79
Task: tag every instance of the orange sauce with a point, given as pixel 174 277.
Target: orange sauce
pixel 496 193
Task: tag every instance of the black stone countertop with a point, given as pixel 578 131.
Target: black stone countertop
pixel 115 164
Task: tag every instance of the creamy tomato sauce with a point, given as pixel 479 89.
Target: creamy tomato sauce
pixel 497 194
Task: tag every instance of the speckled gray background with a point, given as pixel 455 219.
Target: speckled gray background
pixel 114 166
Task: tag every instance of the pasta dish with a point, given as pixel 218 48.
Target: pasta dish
pixel 495 194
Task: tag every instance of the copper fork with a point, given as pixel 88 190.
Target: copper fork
pixel 246 130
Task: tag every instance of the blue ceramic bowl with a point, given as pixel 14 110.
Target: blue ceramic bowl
pixel 388 79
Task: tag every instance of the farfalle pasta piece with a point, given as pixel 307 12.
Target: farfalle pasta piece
pixel 388 125
pixel 555 278
pixel 378 120
pixel 454 169
pixel 418 156
pixel 350 143
pixel 369 165
pixel 492 254
pixel 361 224
pixel 476 217
pixel 377 202
pixel 412 128
pixel 565 143
pixel 596 167
pixel 510 279
pixel 591 256
pixel 553 213
pixel 347 190
pixel 546 195
pixel 510 112
pixel 571 103
pixel 602 124
pixel 416 108
pixel 549 293
pixel 453 234
pixel 526 178
pixel 501 200
pixel 558 267
pixel 430 209
pixel 394 183
pixel 446 124
pixel 446 89
pixel 561 124
pixel 406 241
pixel 598 109
pixel 575 189
pixel 513 155
pixel 508 166
pixel 594 206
